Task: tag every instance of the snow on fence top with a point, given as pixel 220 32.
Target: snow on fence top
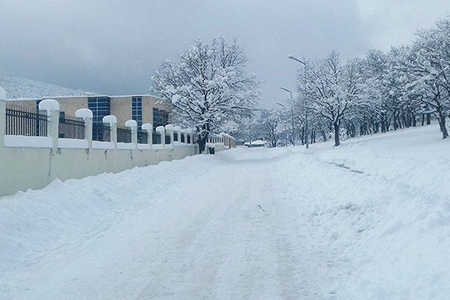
pixel 49 105
pixel 110 119
pixel 84 113
pixel 131 123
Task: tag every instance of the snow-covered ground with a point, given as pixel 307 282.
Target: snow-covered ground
pixel 369 219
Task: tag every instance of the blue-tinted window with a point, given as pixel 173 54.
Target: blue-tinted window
pixel 136 110
pixel 100 107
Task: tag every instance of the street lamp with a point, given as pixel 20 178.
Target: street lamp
pixel 292 115
pixel 306 106
pixel 297 60
pixel 285 130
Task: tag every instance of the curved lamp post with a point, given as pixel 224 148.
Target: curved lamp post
pixel 306 107
pixel 292 115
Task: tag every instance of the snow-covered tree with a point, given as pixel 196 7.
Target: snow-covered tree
pixel 386 77
pixel 208 86
pixel 430 63
pixel 272 127
pixel 330 88
pixel 248 128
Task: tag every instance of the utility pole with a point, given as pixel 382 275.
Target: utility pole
pixel 292 115
pixel 285 129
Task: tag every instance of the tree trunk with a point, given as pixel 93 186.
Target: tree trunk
pixel 336 134
pixel 383 123
pixel 202 143
pixel 324 135
pixel 442 125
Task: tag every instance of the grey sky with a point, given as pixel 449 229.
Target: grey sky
pixel 114 46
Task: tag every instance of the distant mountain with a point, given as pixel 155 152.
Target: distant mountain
pixel 25 88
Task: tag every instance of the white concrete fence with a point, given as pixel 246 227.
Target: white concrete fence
pixel 32 162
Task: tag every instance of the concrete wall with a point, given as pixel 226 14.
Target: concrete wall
pixel 34 162
pixel 34 168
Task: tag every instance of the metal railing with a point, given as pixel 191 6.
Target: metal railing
pixel 142 137
pixel 26 122
pixel 123 135
pixel 22 121
pixel 71 129
pixel 156 138
pixel 101 132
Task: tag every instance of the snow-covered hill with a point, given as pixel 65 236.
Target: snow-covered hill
pixel 25 88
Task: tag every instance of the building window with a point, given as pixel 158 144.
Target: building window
pixel 136 110
pixel 160 117
pixel 100 107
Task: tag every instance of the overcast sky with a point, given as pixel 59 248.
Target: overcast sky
pixel 114 46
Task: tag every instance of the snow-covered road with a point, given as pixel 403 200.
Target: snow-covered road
pixel 224 234
pixel 244 224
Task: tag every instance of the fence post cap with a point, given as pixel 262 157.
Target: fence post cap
pixel 160 129
pixel 147 126
pixel 169 127
pixel 84 113
pixel 110 119
pixel 131 123
pixel 2 94
pixel 49 105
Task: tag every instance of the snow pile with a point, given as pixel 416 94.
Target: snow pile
pixel 369 219
pixel 25 88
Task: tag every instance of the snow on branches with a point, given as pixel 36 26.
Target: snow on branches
pixel 208 87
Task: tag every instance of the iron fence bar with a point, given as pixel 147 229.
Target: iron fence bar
pixel 123 135
pixel 23 122
pixel 156 138
pixel 142 137
pixel 71 128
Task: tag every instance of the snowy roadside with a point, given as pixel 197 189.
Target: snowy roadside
pixel 389 217
pixel 367 220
